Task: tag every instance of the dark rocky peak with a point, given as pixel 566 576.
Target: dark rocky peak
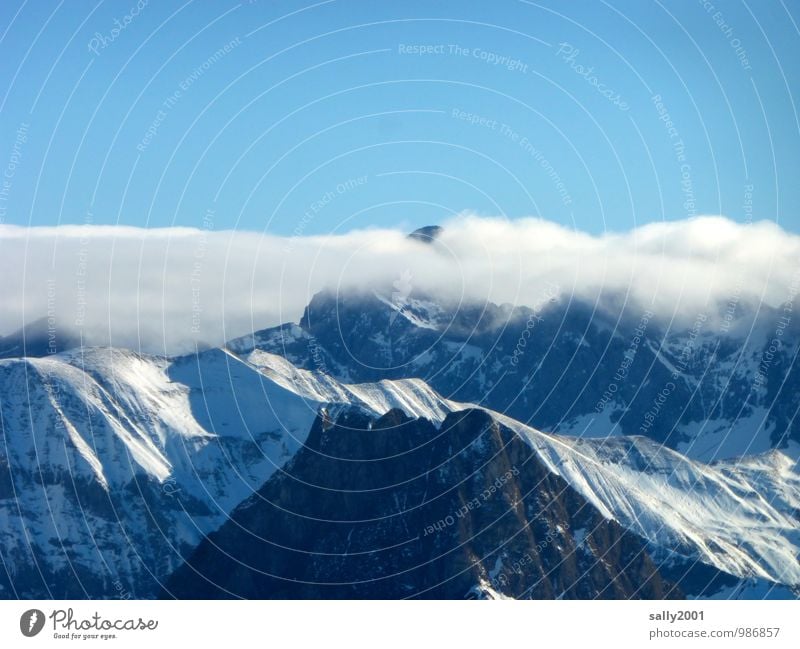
pixel 39 338
pixel 396 508
pixel 426 234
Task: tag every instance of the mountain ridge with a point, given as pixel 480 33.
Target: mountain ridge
pixel 566 367
pixel 229 452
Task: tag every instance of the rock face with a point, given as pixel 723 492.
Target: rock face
pixel 712 392
pixel 396 508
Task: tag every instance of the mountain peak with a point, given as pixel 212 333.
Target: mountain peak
pixel 426 234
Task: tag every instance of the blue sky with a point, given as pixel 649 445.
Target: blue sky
pixel 295 117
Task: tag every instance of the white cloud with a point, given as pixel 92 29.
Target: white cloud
pixel 162 289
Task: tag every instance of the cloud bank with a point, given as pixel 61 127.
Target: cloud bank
pixel 163 290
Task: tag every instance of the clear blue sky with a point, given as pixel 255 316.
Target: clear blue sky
pixel 313 97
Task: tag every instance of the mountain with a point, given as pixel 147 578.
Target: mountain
pixel 725 385
pixel 117 467
pixel 38 338
pixel 393 507
pixel 113 465
pixel 426 234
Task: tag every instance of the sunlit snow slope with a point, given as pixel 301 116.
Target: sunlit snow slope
pixel 114 465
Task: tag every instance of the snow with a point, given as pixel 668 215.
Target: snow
pixel 421 313
pixel 216 425
pixel 592 425
pixel 718 439
pixel 751 589
pixel 413 396
pixel 739 517
pixel 485 590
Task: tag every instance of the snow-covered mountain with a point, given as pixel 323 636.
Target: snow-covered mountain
pixel 115 466
pixel 740 516
pixel 724 385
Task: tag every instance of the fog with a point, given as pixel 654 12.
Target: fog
pixel 163 290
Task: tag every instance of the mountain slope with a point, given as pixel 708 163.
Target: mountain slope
pixel 741 517
pixel 114 466
pixel 710 391
pixel 392 507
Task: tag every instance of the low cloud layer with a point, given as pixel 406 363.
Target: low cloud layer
pixel 162 290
